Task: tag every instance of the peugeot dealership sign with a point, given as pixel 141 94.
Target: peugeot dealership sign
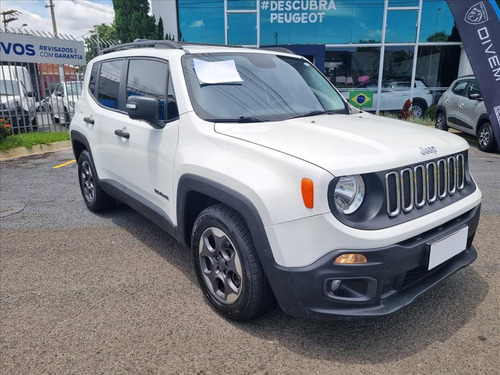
pixel 33 49
pixel 479 28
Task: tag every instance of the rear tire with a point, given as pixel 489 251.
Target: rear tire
pixel 227 266
pixel 441 122
pixel 94 197
pixel 486 138
pixel 418 108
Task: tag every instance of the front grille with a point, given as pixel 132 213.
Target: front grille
pixel 413 188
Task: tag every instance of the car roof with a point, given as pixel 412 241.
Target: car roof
pixel 159 47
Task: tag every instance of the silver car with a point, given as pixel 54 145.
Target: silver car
pixel 461 107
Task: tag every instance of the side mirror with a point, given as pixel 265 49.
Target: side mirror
pixel 59 94
pixel 145 108
pixel 30 94
pixel 475 96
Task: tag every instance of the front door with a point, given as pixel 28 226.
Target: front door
pixel 147 155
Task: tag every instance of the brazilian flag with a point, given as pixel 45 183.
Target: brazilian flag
pixel 361 99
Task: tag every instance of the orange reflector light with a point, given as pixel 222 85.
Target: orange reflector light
pixel 308 192
pixel 350 259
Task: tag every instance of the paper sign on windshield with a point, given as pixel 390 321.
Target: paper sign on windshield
pixel 216 72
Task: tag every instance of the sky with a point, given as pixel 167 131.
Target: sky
pixel 73 17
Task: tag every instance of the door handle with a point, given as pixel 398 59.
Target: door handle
pixel 122 133
pixel 89 120
pixel 461 105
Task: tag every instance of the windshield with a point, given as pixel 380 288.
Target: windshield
pixel 74 88
pixel 255 87
pixel 8 87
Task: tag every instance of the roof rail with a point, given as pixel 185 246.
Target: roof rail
pixel 278 49
pixel 168 44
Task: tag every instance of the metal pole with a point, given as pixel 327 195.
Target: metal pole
pixel 53 15
pixel 415 51
pixel 382 57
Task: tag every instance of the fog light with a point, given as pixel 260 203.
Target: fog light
pixel 335 285
pixel 350 259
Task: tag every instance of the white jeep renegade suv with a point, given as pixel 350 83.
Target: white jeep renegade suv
pixel 282 190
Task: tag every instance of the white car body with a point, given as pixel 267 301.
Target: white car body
pixel 16 96
pixel 261 165
pixel 395 94
pixel 63 98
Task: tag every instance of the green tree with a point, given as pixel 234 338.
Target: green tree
pixel 101 36
pixel 132 20
pixel 159 30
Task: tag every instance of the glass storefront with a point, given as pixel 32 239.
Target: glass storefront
pixel 350 32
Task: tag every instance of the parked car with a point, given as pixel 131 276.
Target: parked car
pixel 62 100
pixel 44 105
pixel 394 95
pixel 254 161
pixel 17 99
pixel 461 107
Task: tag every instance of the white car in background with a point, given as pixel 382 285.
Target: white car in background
pixel 17 102
pixel 394 95
pixel 62 100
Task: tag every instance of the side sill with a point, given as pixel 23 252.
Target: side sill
pixel 141 205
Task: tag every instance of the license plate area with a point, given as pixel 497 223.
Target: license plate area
pixel 447 247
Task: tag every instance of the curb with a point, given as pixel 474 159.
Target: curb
pixel 35 150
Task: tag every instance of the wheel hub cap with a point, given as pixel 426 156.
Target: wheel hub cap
pixel 220 265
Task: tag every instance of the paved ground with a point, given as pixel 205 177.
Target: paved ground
pixel 112 293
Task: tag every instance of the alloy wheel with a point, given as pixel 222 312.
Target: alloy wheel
pixel 88 183
pixel 484 136
pixel 220 265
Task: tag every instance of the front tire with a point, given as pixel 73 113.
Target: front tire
pixel 486 138
pixel 227 266
pixel 441 122
pixel 94 197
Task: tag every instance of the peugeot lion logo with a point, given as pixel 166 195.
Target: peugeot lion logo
pixel 477 14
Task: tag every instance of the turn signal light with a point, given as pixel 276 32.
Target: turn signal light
pixel 350 259
pixel 308 192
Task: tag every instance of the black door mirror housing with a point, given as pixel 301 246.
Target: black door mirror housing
pixel 145 108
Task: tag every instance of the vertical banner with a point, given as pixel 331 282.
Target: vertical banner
pixel 478 23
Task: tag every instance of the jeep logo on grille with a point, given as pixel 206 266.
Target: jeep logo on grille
pixel 428 150
pixel 477 14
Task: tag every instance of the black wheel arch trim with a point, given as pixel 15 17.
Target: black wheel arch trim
pixel 191 183
pixel 76 136
pixel 441 108
pixel 482 119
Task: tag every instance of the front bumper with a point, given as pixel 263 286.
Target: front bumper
pixel 393 277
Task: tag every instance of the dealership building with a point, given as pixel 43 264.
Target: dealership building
pixel 344 38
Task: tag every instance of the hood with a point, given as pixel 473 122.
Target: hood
pixel 348 144
pixel 8 98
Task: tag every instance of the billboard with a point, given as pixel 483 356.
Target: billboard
pixel 478 23
pixel 34 49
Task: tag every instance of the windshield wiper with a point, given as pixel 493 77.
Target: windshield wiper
pixel 316 113
pixel 241 119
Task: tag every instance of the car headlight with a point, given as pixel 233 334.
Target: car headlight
pixel 349 193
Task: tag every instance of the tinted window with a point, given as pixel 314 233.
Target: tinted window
pixel 474 88
pixel 148 78
pixel 93 78
pixel 459 88
pixel 109 83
